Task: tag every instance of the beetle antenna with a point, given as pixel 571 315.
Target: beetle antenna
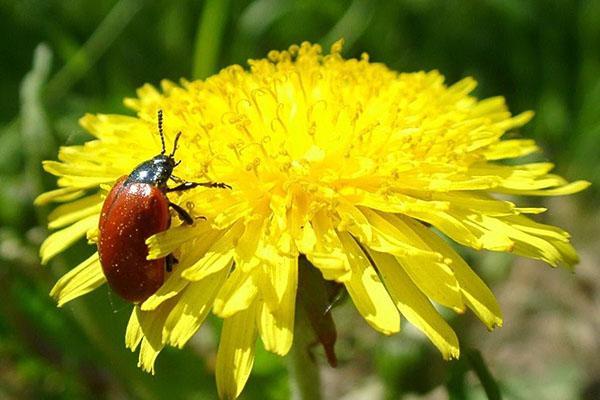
pixel 160 132
pixel 175 144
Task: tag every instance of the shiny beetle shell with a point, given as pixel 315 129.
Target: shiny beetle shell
pixel 132 212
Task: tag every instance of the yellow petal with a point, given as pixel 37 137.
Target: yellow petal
pixel 213 262
pixel 567 252
pixel 191 309
pixel 276 317
pixel 433 277
pixel 166 242
pixel 82 178
pixel 148 353
pixel 230 215
pixel 58 195
pixel 449 225
pixel 236 353
pixel 415 306
pixel 72 212
pixel 82 279
pixel 468 182
pixel 152 326
pixel 248 242
pixel 191 252
pixel 562 190
pixel 328 253
pixel 107 126
pixel 386 204
pixel 555 236
pixel 92 236
pixel 535 228
pixel 477 295
pixel 483 238
pixel 174 285
pixel 462 87
pixel 525 244
pixel 531 210
pixel 477 202
pixel 276 242
pixel 298 212
pixel 491 107
pixel 307 238
pixel 148 97
pixel 278 280
pixel 387 238
pixel 367 292
pixel 62 239
pixel 236 294
pixel 353 220
pixel 510 149
pixel 133 334
pixel 217 257
pixel 516 121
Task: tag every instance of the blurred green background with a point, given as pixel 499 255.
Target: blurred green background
pixel 60 59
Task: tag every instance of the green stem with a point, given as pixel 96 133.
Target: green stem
pixel 208 37
pixel 478 365
pixel 352 25
pixel 305 380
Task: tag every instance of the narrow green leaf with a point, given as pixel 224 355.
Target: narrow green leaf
pixel 107 32
pixel 36 135
pixel 211 27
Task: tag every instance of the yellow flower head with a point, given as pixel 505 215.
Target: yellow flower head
pixel 343 161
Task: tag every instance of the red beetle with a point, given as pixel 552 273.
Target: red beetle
pixel 136 208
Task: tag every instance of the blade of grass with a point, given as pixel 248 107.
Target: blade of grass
pixel 105 34
pixel 352 25
pixel 209 37
pixel 36 135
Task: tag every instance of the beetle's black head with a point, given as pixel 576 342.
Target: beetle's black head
pixel 159 169
pixel 155 171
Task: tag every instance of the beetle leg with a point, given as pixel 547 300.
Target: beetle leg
pixel 170 261
pixel 191 185
pixel 339 294
pixel 183 215
pixel 175 178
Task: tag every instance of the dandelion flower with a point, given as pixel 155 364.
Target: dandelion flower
pixel 341 161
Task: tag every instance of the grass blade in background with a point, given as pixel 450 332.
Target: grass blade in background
pixel 209 36
pixel 37 140
pixel 107 32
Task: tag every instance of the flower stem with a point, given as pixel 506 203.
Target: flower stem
pixel 305 380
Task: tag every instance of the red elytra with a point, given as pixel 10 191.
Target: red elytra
pixel 132 212
pixel 136 208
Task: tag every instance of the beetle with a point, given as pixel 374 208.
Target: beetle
pixel 136 208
